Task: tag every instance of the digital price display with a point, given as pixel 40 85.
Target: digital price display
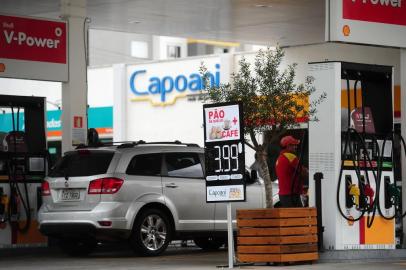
pixel 223 160
pixel 224 152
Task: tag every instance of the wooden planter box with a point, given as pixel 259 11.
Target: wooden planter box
pixel 277 235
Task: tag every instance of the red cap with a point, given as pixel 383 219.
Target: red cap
pixel 289 140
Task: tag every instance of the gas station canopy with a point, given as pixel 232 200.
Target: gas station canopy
pixel 270 22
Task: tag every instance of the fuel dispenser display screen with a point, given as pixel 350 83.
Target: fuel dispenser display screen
pixel 366 153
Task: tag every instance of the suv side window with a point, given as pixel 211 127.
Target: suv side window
pixel 146 164
pixel 183 165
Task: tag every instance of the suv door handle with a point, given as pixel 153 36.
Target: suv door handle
pixel 171 185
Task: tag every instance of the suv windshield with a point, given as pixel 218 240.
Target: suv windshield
pixel 82 163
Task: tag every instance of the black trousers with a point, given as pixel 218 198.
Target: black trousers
pixel 290 201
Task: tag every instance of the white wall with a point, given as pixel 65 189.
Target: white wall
pixel 50 90
pixel 112 47
pixel 100 87
pixel 343 52
pixel 182 120
pixel 302 55
pixel 160 44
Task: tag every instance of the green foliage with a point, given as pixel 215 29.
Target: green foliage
pixel 271 99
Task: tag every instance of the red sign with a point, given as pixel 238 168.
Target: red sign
pixel 33 39
pixel 78 122
pixel 361 121
pixel 379 11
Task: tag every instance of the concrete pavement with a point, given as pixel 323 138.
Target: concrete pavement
pixel 175 258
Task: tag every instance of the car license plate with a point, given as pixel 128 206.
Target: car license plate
pixel 70 195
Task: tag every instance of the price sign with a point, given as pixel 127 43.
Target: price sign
pixel 224 152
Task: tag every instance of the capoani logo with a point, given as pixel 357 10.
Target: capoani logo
pixel 218 193
pixel 161 91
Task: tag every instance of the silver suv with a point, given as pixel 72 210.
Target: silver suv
pixel 146 193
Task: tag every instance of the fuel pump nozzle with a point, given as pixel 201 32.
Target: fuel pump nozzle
pixel 3 205
pixel 392 194
pixel 369 193
pixel 355 193
pixel 366 194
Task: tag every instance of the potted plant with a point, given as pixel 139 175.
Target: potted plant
pixel 271 100
pixel 272 104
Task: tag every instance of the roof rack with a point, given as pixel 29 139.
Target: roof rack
pixel 141 142
pixel 100 144
pixel 129 144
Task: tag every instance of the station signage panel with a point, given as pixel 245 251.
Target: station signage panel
pixel 164 82
pixel 224 152
pixel 375 22
pixel 33 48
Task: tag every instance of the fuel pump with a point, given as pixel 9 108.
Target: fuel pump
pixel 354 156
pixel 359 135
pixel 391 192
pixel 15 144
pixel 22 169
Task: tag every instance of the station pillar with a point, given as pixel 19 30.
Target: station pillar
pixel 74 91
pixel 403 130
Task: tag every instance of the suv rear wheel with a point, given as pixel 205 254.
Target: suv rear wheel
pixel 209 243
pixel 151 233
pixel 77 247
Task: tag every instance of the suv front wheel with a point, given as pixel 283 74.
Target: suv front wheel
pixel 151 233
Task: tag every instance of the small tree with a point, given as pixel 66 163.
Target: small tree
pixel 271 100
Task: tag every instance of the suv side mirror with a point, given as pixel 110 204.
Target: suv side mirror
pixel 254 175
pixel 251 178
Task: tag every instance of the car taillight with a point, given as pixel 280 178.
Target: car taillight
pixel 45 190
pixel 105 186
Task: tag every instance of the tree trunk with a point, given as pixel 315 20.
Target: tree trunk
pixel 264 173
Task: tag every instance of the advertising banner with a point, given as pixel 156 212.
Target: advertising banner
pixel 375 22
pixel 33 48
pixel 224 152
pixel 222 123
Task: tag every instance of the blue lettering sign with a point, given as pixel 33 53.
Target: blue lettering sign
pixel 195 82
pixel 132 84
pixel 166 87
pixel 155 86
pixel 181 83
pixel 168 84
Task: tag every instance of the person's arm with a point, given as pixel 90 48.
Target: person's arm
pixel 304 172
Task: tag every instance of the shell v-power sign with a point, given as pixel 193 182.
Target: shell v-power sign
pixel 33 48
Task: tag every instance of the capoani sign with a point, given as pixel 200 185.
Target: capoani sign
pixel 163 83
